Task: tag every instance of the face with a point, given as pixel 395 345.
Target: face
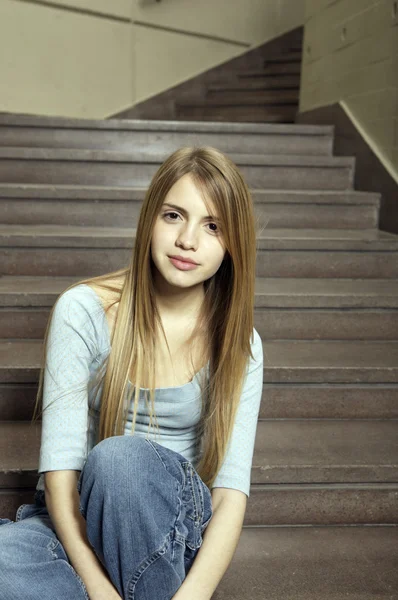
pixel 187 228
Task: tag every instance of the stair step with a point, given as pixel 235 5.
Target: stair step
pixel 114 207
pixel 87 167
pixel 280 401
pixel 167 136
pixel 275 239
pixel 277 292
pixel 272 324
pixel 310 563
pixel 278 69
pixel 345 452
pixel 250 97
pixel 244 113
pixel 326 451
pixel 297 253
pixel 271 82
pixel 285 361
pixel 284 57
pixel 325 309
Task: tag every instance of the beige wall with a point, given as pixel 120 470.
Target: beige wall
pixel 66 63
pixel 351 56
pixel 93 58
pixel 164 58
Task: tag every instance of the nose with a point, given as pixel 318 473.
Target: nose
pixel 188 237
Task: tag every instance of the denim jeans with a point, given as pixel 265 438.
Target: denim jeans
pixel 146 509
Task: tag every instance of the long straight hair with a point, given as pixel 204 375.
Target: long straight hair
pixel 225 320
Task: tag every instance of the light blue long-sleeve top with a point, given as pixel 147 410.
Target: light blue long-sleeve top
pixel 78 344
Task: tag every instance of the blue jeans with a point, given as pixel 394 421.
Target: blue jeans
pixel 146 509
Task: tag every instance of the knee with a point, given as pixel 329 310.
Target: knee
pixel 6 540
pixel 115 457
pixel 14 541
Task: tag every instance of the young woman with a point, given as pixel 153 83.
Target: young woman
pixel 120 511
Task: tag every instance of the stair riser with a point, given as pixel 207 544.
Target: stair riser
pixel 234 76
pixel 282 507
pixel 11 500
pixel 25 323
pixel 258 97
pixel 324 375
pixel 356 401
pixel 328 458
pixel 341 324
pixel 140 174
pixel 324 507
pixel 264 69
pixel 167 141
pixel 17 401
pixel 81 262
pixel 113 213
pixel 328 264
pixel 286 474
pixel 284 57
pixel 293 68
pixel 275 374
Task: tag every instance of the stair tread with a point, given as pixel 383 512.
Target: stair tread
pixel 269 239
pixel 21 190
pixel 157 156
pixel 298 450
pixel 20 120
pixel 43 291
pixel 309 563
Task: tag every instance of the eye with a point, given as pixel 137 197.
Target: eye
pixel 171 214
pixel 167 214
pixel 217 230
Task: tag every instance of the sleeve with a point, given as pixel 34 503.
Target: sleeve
pixel 235 471
pixel 71 347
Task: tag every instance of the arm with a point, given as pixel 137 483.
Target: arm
pixel 230 490
pixel 62 500
pixel 71 348
pixel 220 540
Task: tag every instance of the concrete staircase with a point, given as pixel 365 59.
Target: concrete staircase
pixel 321 520
pixel 260 85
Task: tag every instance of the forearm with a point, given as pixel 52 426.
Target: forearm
pixel 219 544
pixel 70 526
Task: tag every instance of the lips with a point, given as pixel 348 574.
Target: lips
pixel 185 260
pixel 182 265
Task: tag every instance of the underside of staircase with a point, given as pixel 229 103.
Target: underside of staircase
pixel 262 85
pixel 321 519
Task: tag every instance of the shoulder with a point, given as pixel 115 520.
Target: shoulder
pixel 78 308
pixel 256 346
pixel 81 298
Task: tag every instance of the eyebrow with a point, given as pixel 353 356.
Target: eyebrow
pixel 185 213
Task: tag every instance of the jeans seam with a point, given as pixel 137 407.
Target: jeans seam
pixel 19 512
pixel 51 548
pixel 145 565
pixel 80 581
pixel 166 468
pixel 52 545
pixel 190 477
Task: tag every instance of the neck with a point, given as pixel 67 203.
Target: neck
pixel 178 303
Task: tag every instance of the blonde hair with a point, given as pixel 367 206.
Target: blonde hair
pixel 226 315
